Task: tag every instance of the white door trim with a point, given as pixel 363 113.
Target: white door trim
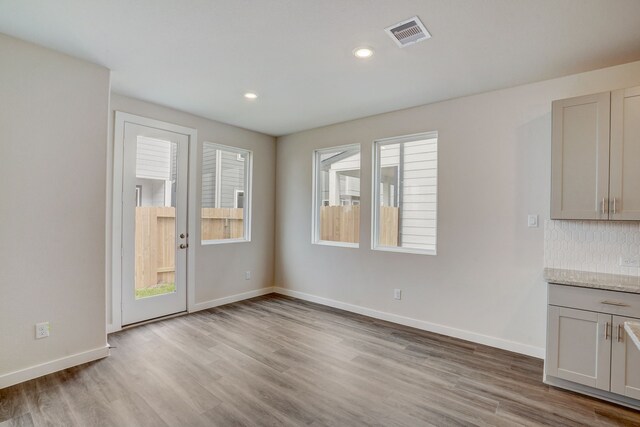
pixel 116 215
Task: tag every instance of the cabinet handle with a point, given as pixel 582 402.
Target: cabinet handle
pixel 619 333
pixel 606 331
pixel 614 205
pixel 617 304
pixel 604 205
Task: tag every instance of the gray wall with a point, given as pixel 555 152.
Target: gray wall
pixel 53 129
pixel 486 282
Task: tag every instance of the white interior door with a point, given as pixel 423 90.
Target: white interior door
pixel 154 223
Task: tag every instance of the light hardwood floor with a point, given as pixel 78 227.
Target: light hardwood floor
pixel 275 360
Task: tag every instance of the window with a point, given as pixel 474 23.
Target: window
pixel 405 194
pixel 336 196
pixel 226 194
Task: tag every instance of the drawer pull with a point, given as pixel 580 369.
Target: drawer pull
pixel 619 334
pixel 617 304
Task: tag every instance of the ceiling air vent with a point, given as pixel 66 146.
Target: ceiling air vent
pixel 408 32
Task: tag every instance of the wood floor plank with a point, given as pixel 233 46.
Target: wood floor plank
pixel 278 361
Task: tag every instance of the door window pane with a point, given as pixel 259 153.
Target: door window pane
pixel 225 209
pixel 337 195
pixel 155 222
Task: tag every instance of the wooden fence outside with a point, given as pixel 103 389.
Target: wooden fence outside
pixel 156 234
pixel 155 239
pixel 342 224
pixel 388 234
pixel 222 223
pixel 155 246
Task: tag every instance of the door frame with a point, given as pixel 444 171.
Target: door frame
pixel 121 118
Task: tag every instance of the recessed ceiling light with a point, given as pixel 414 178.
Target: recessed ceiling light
pixel 251 95
pixel 363 52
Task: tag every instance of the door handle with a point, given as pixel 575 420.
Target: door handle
pixel 183 246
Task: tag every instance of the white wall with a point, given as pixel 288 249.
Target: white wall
pixel 53 130
pixel 220 269
pixel 486 282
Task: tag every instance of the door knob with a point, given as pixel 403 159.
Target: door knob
pixel 182 236
pixel 183 246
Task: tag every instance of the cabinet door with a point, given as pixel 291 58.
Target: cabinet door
pixel 579 346
pixel 625 361
pixel 580 157
pixel 625 154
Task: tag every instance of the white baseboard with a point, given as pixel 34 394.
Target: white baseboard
pixel 231 298
pixel 36 371
pixel 420 324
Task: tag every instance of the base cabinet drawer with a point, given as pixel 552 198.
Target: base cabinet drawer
pixel 600 300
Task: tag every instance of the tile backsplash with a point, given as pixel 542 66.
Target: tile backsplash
pixel 591 245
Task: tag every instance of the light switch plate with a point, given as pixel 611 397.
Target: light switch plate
pixel 532 221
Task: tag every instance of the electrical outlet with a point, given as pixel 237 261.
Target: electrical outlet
pixel 247 275
pixel 629 261
pixel 397 294
pixel 42 330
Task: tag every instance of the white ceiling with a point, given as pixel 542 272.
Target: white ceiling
pixel 200 56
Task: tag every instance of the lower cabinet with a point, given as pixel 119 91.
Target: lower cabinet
pixel 579 346
pixel 625 361
pixel 590 347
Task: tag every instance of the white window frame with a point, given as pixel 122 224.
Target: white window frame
pixel 316 196
pixel 248 175
pixel 375 195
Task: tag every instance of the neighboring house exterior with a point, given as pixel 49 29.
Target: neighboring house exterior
pixel 226 168
pixel 341 179
pixel 410 184
pixel 156 175
pixel 155 172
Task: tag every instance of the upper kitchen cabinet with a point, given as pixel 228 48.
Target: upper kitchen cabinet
pixel 624 186
pixel 580 157
pixel 595 155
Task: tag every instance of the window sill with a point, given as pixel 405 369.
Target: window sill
pixel 405 250
pixel 337 244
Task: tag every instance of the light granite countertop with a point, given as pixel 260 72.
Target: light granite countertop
pixel 588 279
pixel 633 330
